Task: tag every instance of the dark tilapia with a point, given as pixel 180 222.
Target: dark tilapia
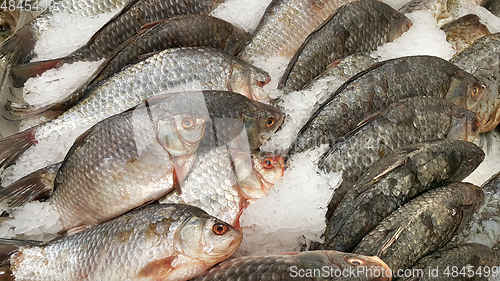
pixel 285 25
pixel 127 22
pixel 403 123
pixel 19 47
pixel 224 181
pixel 157 242
pixel 422 225
pixel 172 70
pixel 395 180
pixel 281 267
pixel 462 32
pixel 482 60
pixel 140 155
pixel 359 26
pixel 380 85
pixel 482 228
pixel 179 31
pixel 472 262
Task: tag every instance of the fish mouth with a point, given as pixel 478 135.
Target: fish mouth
pixel 492 122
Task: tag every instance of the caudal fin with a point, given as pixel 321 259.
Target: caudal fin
pixel 18 48
pixel 13 146
pixel 8 247
pixel 21 73
pixel 35 186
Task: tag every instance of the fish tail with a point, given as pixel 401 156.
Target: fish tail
pixel 35 186
pixel 13 146
pixel 9 247
pixel 19 46
pixel 20 73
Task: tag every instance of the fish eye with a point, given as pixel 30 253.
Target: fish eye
pixel 270 122
pixel 267 163
pixel 474 91
pixel 261 83
pixel 475 126
pixel 220 228
pixel 187 122
pixel 355 262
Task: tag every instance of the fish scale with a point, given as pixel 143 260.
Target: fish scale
pixel 152 243
pixel 421 226
pixel 382 84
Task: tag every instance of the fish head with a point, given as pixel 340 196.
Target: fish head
pixel 261 124
pixel 473 197
pixel 489 107
pixel 180 134
pixel 465 90
pixel 207 239
pixel 236 41
pixel 399 25
pixel 362 265
pixel 465 125
pixel 468 156
pixel 249 81
pixel 256 177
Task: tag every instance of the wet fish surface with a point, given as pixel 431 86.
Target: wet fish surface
pixel 403 123
pixel 463 32
pixel 482 60
pixel 224 181
pixel 19 47
pixel 140 155
pixel 344 33
pixel 422 225
pixel 478 260
pixel 157 242
pixel 395 180
pixel 136 14
pixel 173 70
pixel 280 267
pixel 380 85
pixel 275 37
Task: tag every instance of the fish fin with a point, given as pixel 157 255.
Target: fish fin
pixel 389 169
pixel 13 146
pixel 335 63
pixel 143 57
pixel 389 241
pixel 24 110
pixel 364 122
pixel 77 229
pixel 35 186
pixel 158 269
pixel 150 25
pixel 336 93
pixel 18 48
pixel 20 73
pixel 338 194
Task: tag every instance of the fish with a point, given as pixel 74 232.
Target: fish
pixel 138 17
pixel 493 6
pixel 285 25
pixel 444 11
pixel 156 242
pixel 422 225
pixel 462 32
pixel 223 181
pixel 481 59
pixel 480 262
pixel 298 266
pixel 172 70
pixel 403 123
pixel 395 180
pixel 380 85
pixel 138 156
pixel 344 33
pixel 18 48
pixel 480 227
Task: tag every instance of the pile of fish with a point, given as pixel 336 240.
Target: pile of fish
pixel 150 161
